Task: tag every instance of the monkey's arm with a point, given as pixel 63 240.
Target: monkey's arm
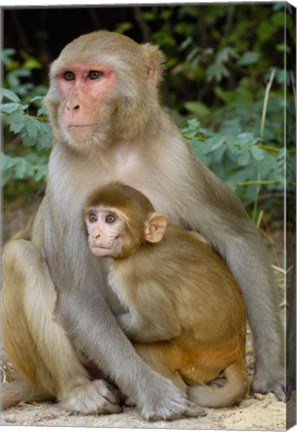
pixel 152 317
pixel 104 342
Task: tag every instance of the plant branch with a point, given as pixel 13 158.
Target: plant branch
pixel 265 104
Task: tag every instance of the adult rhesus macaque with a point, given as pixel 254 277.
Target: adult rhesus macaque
pixel 108 125
pixel 181 302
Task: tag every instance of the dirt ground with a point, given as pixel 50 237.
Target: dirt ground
pixel 255 412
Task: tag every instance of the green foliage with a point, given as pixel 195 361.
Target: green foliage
pixel 27 136
pixel 241 158
pixel 16 70
pixel 223 67
pixel 29 160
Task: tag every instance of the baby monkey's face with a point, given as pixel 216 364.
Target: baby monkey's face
pixel 106 231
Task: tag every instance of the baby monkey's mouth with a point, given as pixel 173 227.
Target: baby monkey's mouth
pixel 101 247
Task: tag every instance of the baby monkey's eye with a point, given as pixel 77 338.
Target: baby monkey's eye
pixel 110 218
pixel 92 217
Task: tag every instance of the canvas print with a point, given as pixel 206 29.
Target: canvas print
pixel 149 216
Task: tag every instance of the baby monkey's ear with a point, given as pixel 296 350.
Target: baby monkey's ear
pixel 155 227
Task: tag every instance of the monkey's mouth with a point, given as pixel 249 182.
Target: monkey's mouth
pixel 101 250
pixel 101 247
pixel 75 126
pixel 81 130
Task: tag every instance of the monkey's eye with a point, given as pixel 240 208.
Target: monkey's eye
pixel 93 74
pixel 110 218
pixel 68 76
pixel 92 217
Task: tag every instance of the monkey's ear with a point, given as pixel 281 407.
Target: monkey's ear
pixel 155 60
pixel 155 227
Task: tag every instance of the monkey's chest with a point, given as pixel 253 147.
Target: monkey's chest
pixel 116 282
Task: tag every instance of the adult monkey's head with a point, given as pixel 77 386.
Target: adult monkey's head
pixel 103 89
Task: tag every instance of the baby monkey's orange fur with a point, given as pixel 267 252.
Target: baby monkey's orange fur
pixel 183 309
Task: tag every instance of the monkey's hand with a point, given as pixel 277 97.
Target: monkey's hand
pixel 266 381
pixel 162 400
pixel 95 397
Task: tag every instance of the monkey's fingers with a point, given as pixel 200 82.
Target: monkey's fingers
pixel 94 397
pixel 174 411
pixel 194 410
pixel 170 403
pixel 279 392
pixel 265 385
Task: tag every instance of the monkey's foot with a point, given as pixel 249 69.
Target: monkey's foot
pixel 95 397
pixel 170 403
pixel 128 402
pixel 265 382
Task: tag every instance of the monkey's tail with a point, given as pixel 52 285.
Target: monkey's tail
pixel 16 391
pixel 218 397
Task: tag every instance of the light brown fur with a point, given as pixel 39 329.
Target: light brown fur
pixel 177 292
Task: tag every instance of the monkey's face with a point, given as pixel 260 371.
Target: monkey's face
pixel 86 108
pixel 106 231
pixel 98 87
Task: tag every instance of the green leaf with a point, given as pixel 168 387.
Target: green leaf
pixel 9 108
pixel 42 111
pixel 21 168
pixel 123 27
pixel 245 138
pixel 266 31
pixel 216 142
pixel 149 16
pixel 45 137
pixel 244 157
pixel 248 58
pixel 186 43
pixel 6 55
pixel 166 14
pixel 7 162
pixel 197 108
pixel 32 127
pixel 257 153
pixel 278 19
pixel 36 98
pixel 282 47
pixel 16 120
pixel 216 72
pixel 32 63
pixel 40 172
pixel 10 95
pixel 225 54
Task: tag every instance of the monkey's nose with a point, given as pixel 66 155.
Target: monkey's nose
pixel 73 108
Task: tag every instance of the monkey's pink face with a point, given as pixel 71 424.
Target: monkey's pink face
pixel 85 89
pixel 106 229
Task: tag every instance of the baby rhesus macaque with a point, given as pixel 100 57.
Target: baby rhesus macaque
pixel 182 307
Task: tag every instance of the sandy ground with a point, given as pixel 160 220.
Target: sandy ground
pixel 254 413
